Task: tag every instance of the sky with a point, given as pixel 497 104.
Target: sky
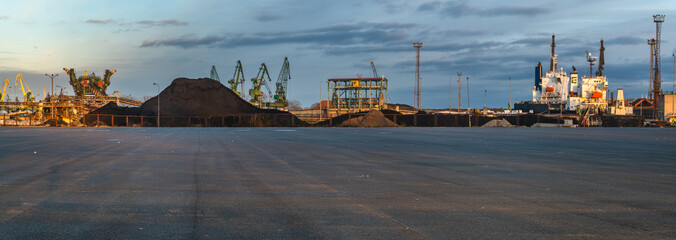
pixel 489 41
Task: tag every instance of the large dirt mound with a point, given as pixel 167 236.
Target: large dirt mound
pixel 371 119
pixel 498 123
pixel 197 97
pixel 113 109
pixel 337 120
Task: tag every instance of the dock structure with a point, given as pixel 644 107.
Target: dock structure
pixel 64 107
pixel 350 95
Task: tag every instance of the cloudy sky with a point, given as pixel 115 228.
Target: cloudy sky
pixel 490 41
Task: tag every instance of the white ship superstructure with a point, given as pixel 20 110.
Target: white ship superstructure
pixel 552 88
pixel 590 91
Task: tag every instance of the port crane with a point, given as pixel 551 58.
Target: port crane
pixel 237 79
pixel 255 91
pixel 27 97
pixel 4 89
pixel 281 86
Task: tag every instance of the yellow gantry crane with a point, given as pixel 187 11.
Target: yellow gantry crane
pixel 26 97
pixel 4 89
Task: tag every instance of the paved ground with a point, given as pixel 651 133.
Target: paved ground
pixel 305 183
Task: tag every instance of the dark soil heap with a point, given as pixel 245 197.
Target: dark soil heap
pixel 197 97
pixel 371 119
pixel 113 109
pixel 193 102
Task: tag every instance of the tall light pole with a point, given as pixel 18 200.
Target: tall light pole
pixel 51 98
pixel 510 95
pixel 450 84
pixel 469 108
pixel 485 92
pixel 417 103
pixel 158 104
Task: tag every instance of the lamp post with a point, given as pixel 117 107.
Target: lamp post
pixel 450 84
pixel 510 95
pixel 51 98
pixel 469 108
pixel 158 104
pixel 485 92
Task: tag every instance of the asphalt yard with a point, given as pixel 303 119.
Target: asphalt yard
pixel 337 183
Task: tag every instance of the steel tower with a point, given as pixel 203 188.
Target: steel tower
pixel 657 81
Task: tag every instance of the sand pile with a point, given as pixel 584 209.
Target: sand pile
pixel 197 97
pixel 371 119
pixel 498 123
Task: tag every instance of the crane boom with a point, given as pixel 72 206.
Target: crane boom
pixel 26 97
pixel 4 89
pixel 281 85
pixel 375 73
pixel 214 74
pixel 237 78
pixel 257 82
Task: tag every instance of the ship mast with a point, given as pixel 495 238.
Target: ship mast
pixel 602 62
pixel 591 61
pixel 552 61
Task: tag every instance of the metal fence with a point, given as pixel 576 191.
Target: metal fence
pixel 452 120
pixel 290 120
pixel 240 120
pixel 7 120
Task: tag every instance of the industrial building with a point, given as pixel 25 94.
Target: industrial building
pixel 350 95
pixel 667 108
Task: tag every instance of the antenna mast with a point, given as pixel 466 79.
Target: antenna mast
pixel 591 61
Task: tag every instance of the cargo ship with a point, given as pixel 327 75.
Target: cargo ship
pixel 557 92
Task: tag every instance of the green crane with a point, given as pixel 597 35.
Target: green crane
pixel 255 92
pixel 237 78
pixel 89 84
pixel 282 80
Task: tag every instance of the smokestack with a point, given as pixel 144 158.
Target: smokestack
pixel 551 59
pixel 599 73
